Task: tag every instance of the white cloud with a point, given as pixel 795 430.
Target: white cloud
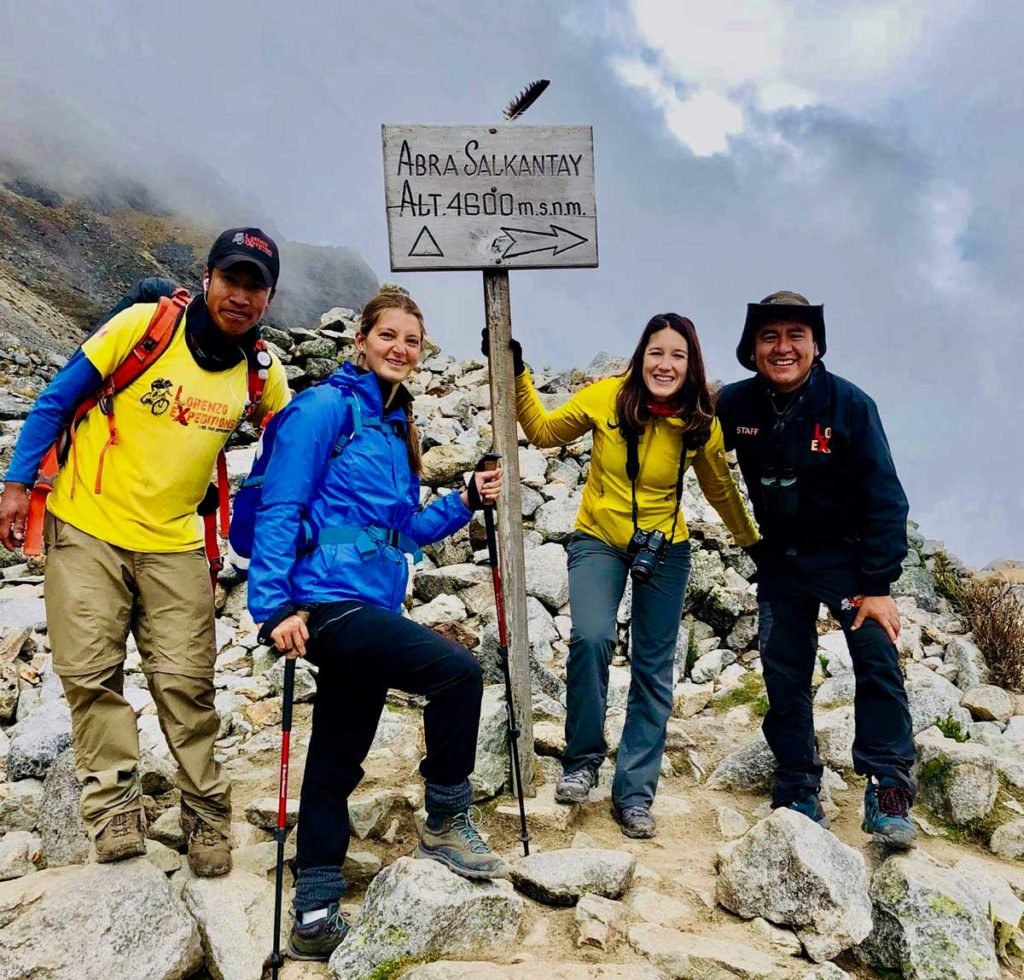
pixel 709 65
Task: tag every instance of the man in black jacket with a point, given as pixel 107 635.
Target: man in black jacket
pixel 833 521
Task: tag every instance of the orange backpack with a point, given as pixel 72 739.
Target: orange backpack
pixel 159 333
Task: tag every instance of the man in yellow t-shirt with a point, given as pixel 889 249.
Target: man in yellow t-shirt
pixel 124 542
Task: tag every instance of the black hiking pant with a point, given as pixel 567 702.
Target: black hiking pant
pixel 789 592
pixel 361 651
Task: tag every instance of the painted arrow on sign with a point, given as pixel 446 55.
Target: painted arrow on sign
pixel 525 241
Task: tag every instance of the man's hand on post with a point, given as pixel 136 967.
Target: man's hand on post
pixel 882 609
pixel 13 515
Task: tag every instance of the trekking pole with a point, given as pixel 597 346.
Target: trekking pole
pixel 277 957
pixel 490 462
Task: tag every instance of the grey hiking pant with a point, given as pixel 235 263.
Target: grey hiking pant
pixel 597 579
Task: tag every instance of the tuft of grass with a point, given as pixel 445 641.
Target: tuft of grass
pixel 748 691
pixel 994 613
pixel 951 728
pixel 760 705
pixel 824 661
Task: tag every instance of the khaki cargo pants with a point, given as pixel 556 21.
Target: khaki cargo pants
pixel 95 593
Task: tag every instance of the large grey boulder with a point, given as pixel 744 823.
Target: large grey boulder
pixel 932 697
pixel 986 702
pixel 97 922
pixel 835 729
pixel 750 769
pixel 23 613
pixel 19 810
pixel 687 955
pixel 492 756
pixel 958 781
pixel 61 828
pixel 561 877
pixel 38 740
pixel 421 909
pixel 556 519
pixel 792 872
pixel 927 926
pixel 235 915
pixel 969 662
pixel 19 854
pixel 547 575
pixel 1008 840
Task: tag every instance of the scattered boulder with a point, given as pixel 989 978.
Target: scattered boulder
pixel 968 661
pixel 462 970
pixel 19 854
pixel 790 871
pixel 420 908
pixel 685 954
pixel 132 925
pixel 750 769
pixel 235 915
pixel 599 922
pixel 262 813
pixel 926 925
pixel 38 740
pixel 1008 840
pixel 64 837
pixel 986 702
pixel 932 697
pixel 492 753
pixel 561 877
pixel 958 781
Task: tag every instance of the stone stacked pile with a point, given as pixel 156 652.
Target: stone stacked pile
pixel 728 889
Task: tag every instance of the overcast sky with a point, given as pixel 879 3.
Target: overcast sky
pixel 863 153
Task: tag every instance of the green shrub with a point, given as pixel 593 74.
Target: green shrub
pixel 993 613
pixel 951 728
pixel 691 651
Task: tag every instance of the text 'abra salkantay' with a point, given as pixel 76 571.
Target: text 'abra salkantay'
pixel 479 197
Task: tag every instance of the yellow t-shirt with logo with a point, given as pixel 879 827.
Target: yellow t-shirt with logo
pixel 171 423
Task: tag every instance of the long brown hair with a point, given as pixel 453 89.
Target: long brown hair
pixel 393 300
pixel 693 403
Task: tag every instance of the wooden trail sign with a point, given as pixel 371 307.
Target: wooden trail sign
pixel 490 197
pixel 495 198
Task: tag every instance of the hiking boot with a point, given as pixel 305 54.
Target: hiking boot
pixel 123 837
pixel 209 851
pixel 317 940
pixel 810 807
pixel 887 816
pixel 575 787
pixel 635 821
pixel 458 845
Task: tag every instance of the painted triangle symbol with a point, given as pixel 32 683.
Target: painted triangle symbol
pixel 425 244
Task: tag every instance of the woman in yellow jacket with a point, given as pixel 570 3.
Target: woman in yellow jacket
pixel 649 424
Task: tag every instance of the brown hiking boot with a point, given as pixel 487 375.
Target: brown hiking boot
pixel 123 837
pixel 209 851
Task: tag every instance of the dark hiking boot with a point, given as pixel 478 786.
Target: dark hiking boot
pixel 123 837
pixel 459 846
pixel 575 787
pixel 887 816
pixel 209 851
pixel 317 940
pixel 635 821
pixel 810 807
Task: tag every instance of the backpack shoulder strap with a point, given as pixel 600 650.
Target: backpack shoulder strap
pixel 260 361
pixel 150 347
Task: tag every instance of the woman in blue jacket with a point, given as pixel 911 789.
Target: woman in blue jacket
pixel 340 509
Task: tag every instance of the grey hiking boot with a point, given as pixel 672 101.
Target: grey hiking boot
pixel 635 821
pixel 123 837
pixel 317 940
pixel 575 786
pixel 209 851
pixel 458 845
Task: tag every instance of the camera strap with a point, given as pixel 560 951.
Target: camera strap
pixel 633 472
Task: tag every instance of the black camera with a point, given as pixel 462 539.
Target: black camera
pixel 647 548
pixel 780 493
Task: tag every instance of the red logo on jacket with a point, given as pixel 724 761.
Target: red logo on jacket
pixel 822 437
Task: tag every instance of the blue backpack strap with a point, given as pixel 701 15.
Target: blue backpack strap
pixel 368 538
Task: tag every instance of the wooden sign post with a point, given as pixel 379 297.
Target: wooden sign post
pixel 495 198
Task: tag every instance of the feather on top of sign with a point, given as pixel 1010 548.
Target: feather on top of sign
pixel 526 98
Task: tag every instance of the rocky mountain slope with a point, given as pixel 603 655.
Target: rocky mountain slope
pixel 727 889
pixel 65 261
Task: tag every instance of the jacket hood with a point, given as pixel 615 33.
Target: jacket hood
pixel 350 378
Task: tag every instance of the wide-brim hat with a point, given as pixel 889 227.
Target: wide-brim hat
pixel 781 307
